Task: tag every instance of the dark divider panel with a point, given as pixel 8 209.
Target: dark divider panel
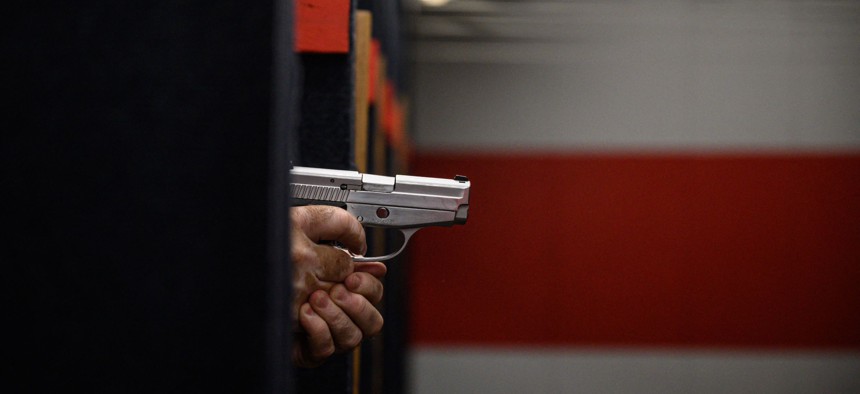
pixel 326 139
pixel 326 131
pixel 144 168
pixel 396 312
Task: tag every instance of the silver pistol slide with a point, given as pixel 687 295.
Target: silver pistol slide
pixel 403 202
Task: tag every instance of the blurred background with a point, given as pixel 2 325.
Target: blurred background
pixel 665 196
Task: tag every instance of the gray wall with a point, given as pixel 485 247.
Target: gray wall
pixel 656 74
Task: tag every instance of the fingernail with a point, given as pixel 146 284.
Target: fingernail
pixel 309 311
pixel 321 301
pixel 353 281
pixel 339 292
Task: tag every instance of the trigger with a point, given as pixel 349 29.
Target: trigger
pixel 407 233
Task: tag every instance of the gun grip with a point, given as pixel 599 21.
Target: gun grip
pixel 407 233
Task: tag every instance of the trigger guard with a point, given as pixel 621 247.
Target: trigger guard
pixel 407 233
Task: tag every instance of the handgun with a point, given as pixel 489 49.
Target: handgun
pixel 403 202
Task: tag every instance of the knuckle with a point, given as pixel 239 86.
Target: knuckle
pixel 353 308
pixel 300 250
pixel 300 254
pixel 342 325
pixel 348 336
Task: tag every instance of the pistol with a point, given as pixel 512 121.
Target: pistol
pixel 403 202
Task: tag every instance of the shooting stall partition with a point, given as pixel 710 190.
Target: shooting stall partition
pixel 145 166
pixel 352 118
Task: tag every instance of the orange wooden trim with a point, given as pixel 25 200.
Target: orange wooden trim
pixel 322 26
pixel 356 369
pixel 363 25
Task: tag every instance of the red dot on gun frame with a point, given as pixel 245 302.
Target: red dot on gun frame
pixel 382 212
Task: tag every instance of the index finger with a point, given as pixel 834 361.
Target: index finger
pixel 374 268
pixel 328 223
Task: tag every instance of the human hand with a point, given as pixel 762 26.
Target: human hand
pixel 334 297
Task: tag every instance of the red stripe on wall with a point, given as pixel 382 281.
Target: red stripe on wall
pixel 644 250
